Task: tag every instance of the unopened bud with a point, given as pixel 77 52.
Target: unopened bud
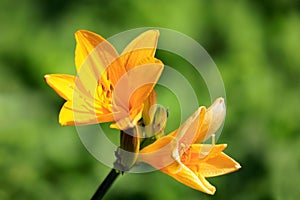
pixel 156 128
pixel 159 121
pixel 128 151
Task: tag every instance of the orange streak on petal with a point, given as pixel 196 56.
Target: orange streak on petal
pixel 82 114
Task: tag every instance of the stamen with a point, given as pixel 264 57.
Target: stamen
pixel 213 139
pixel 182 148
pixel 175 155
pixel 186 156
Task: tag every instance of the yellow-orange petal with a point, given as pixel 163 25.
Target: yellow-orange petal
pixel 214 118
pixel 183 174
pixel 209 160
pixel 144 79
pixel 142 46
pixel 218 165
pixel 134 88
pixel 80 114
pixel 62 84
pixel 86 42
pixel 187 133
pixel 160 153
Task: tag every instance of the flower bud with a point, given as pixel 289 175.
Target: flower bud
pixel 128 151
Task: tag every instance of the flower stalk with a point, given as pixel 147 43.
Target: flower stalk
pixel 105 185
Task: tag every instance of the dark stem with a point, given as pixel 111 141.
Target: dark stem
pixel 105 185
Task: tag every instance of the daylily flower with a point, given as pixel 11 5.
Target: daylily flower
pixel 180 155
pixel 108 87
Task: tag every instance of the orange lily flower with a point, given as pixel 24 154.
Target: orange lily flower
pixel 180 156
pixel 108 87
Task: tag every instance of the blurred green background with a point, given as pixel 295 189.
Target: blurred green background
pixel 255 45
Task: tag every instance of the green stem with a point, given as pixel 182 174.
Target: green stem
pixel 105 185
